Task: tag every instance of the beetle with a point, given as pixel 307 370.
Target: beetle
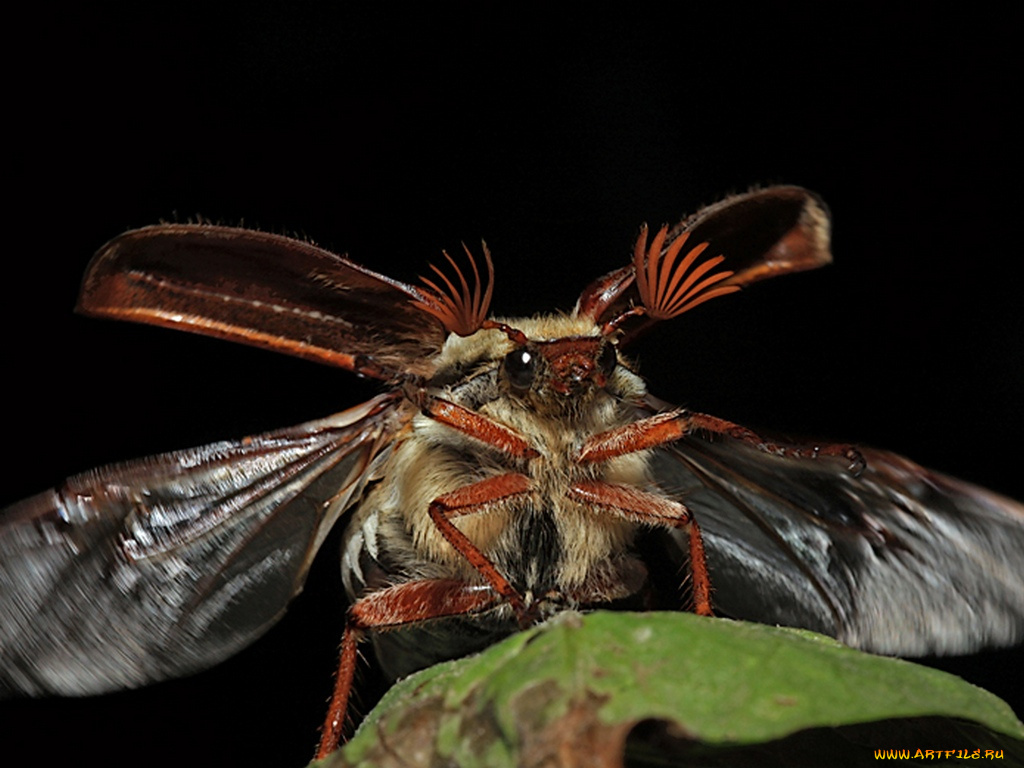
pixel 513 468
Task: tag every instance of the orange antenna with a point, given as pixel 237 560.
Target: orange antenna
pixel 668 289
pixel 461 310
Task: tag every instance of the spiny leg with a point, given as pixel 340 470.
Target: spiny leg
pixel 645 508
pixel 475 425
pixel 477 498
pixel 391 608
pixel 668 427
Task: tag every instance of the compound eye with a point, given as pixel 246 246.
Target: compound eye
pixel 520 367
pixel 608 359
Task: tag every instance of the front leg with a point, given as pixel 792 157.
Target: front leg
pixel 476 425
pixel 664 428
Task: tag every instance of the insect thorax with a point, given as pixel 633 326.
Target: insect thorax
pixel 540 541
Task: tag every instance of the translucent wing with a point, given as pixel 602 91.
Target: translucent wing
pixel 163 566
pixel 899 560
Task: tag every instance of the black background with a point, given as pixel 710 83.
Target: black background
pixel 390 137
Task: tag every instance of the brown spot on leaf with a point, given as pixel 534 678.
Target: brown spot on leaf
pixel 576 738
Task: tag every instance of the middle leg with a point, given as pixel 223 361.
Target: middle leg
pixel 639 506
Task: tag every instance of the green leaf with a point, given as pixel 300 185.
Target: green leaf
pixel 708 691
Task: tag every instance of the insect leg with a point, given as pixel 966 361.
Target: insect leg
pixel 668 427
pixel 479 426
pixel 646 508
pixel 471 499
pixel 390 608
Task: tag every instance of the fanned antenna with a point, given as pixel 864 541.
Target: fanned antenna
pixel 461 310
pixel 668 289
